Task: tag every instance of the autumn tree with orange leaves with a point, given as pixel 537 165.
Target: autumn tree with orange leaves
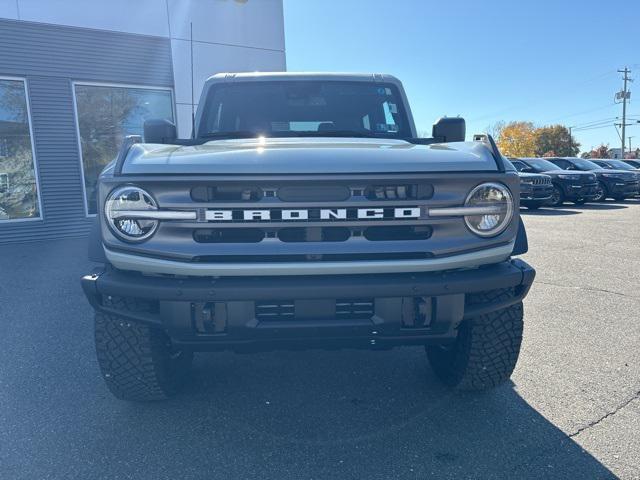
pixel 517 139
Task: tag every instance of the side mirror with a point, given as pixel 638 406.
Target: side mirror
pixel 449 129
pixel 159 130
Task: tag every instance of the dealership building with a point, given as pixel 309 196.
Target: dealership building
pixel 76 76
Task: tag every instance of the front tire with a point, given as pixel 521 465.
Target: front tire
pixel 485 352
pixel 601 193
pixel 557 197
pixel 137 361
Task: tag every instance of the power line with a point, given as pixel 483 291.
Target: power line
pixel 593 122
pixel 548 98
pixel 577 114
pixel 596 127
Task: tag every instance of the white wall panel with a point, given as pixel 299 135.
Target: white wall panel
pixel 183 116
pixel 255 23
pixel 9 9
pixel 209 59
pixel 148 17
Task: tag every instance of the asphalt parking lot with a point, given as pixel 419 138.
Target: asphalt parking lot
pixel 572 410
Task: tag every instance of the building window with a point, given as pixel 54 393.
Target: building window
pixel 108 113
pixel 18 184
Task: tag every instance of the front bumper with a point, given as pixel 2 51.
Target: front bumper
pixel 229 313
pixel 535 193
pixel 580 191
pixel 151 265
pixel 621 188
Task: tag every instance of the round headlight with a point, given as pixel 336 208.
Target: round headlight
pixel 125 211
pixel 495 199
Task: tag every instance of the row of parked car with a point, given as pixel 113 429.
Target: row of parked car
pixel 553 181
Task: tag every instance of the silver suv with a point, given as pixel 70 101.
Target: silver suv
pixel 305 212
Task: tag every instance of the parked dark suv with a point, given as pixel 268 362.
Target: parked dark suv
pixel 634 163
pixel 616 184
pixel 614 164
pixel 578 187
pixel 536 189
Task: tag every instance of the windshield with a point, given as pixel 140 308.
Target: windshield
pixel 304 108
pixel 582 164
pixel 619 165
pixel 540 165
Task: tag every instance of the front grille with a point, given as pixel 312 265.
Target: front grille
pixel 285 310
pixel 542 181
pixel 297 218
pixel 295 213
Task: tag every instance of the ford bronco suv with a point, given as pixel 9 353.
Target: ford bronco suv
pixel 305 212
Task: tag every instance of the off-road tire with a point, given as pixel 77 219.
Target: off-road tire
pixel 137 361
pixel 485 351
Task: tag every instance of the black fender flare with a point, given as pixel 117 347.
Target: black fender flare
pixel 521 244
pixel 96 250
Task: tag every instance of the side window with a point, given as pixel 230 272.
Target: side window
pixel 519 166
pixel 19 195
pixel 561 163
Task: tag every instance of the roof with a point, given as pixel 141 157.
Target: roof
pixel 336 76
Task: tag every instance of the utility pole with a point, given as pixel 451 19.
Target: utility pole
pixel 570 143
pixel 629 143
pixel 624 95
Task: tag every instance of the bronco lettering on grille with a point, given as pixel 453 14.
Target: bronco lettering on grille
pixel 331 214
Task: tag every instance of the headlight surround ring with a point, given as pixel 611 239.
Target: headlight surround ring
pixel 130 198
pixel 487 195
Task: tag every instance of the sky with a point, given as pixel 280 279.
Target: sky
pixel 542 61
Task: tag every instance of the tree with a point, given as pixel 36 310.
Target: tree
pixel 517 139
pixel 555 139
pixel 600 152
pixel 496 129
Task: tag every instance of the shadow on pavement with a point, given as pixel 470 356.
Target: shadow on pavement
pixel 346 414
pixel 357 414
pixel 549 212
pixel 599 206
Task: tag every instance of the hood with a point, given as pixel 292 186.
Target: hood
pixel 581 173
pixel 626 174
pixel 307 155
pixel 531 175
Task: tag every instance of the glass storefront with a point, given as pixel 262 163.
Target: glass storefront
pixel 18 180
pixel 106 114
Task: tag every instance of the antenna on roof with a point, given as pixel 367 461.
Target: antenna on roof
pixel 193 110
